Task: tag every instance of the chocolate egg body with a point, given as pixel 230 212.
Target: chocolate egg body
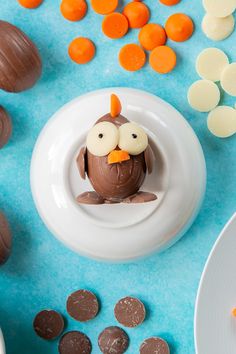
pixel 20 62
pixel 117 181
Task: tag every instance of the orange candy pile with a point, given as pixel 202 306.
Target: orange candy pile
pixel 152 36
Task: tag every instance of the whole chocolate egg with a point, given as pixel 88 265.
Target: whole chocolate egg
pixel 20 62
pixel 5 239
pixel 5 127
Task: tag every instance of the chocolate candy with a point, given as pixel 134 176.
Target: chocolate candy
pixel 20 63
pixel 154 345
pixel 5 239
pixel 48 324
pixel 5 127
pixel 113 340
pixel 82 305
pixel 130 312
pixel 75 343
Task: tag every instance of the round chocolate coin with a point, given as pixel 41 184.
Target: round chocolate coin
pixel 82 305
pixel 5 239
pixel 154 345
pixel 75 342
pixel 113 340
pixel 130 312
pixel 48 324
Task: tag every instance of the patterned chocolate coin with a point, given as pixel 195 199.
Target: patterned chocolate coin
pixel 75 343
pixel 130 312
pixel 5 127
pixel 82 305
pixel 154 345
pixel 113 340
pixel 48 324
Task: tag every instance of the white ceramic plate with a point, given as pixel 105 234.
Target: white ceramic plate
pixel 118 232
pixel 215 328
pixel 2 345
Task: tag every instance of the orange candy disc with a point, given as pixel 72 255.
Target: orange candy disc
pixel 162 59
pixel 137 14
pixel 73 10
pixel 179 27
pixel 132 57
pixel 30 4
pixel 151 36
pixel 115 25
pixel 81 50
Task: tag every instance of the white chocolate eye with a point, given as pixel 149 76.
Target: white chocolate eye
pixel 133 138
pixel 102 139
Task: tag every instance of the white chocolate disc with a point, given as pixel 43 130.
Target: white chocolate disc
pixel 132 138
pixel 216 28
pixel 228 79
pixel 222 121
pixel 102 138
pixel 219 8
pixel 210 64
pixel 203 95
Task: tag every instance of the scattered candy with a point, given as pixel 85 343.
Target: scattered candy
pixel 216 28
pixel 115 25
pixel 5 127
pixel 154 345
pixel 203 95
pixel 132 57
pixel 113 340
pixel 130 312
pixel 5 239
pixel 20 63
pixel 162 59
pixel 30 4
pixel 48 324
pixel 170 2
pixel 104 7
pixel 151 36
pixel 75 342
pixel 210 64
pixel 82 305
pixel 73 10
pixel 222 121
pixel 137 14
pixel 179 27
pixel 219 8
pixel 228 79
pixel 82 50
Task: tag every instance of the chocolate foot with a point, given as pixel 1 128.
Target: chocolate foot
pixel 90 198
pixel 140 197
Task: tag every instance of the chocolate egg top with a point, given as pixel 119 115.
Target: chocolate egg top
pixel 20 62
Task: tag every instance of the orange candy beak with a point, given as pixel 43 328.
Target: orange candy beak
pixel 116 156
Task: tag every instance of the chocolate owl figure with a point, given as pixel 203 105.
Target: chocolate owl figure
pixel 116 159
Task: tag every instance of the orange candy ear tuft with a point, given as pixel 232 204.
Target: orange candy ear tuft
pixel 115 106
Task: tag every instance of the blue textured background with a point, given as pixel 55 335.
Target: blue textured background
pixel 42 272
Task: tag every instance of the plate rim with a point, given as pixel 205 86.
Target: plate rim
pixel 231 221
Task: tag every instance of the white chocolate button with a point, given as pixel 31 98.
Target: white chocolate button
pixel 222 121
pixel 203 95
pixel 210 64
pixel 102 138
pixel 133 138
pixel 216 28
pixel 219 8
pixel 228 79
